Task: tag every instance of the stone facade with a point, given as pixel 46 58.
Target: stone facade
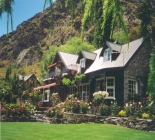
pixel 137 69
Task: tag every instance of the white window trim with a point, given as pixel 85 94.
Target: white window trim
pixel 82 89
pixel 99 79
pixel 83 63
pixel 48 96
pixel 105 55
pixel 136 86
pixel 111 87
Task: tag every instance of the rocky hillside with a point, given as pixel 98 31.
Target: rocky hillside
pixel 35 31
pixel 22 45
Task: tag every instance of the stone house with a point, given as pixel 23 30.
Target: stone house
pixel 64 65
pixel 121 70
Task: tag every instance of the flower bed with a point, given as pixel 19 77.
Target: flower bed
pixel 71 104
pixel 17 109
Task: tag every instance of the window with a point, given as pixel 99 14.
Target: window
pixel 46 96
pixel 100 84
pixel 132 87
pixel 107 55
pixel 110 86
pixel 82 62
pixel 71 89
pixel 84 91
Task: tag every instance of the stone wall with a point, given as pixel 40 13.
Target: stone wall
pixel 17 119
pixel 138 69
pixel 70 118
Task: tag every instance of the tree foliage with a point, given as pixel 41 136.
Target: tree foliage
pixel 6 6
pixel 151 78
pixel 120 37
pixel 75 81
pixel 107 15
pixel 145 14
pixel 73 46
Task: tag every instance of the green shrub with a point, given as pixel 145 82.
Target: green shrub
pixel 50 112
pixel 55 99
pixel 114 108
pixel 104 110
pixel 56 111
pixel 84 107
pixel 128 110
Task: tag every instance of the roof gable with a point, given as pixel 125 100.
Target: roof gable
pixel 126 53
pixel 86 55
pixel 68 60
pixel 114 46
pixel 26 77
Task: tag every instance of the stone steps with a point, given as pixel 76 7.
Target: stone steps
pixel 40 114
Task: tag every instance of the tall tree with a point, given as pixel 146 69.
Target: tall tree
pixel 107 19
pixel 99 37
pixel 145 14
pixel 6 6
pixel 151 79
pixel 51 2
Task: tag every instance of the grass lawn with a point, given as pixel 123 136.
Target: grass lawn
pixel 42 131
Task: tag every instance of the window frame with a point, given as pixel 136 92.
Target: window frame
pixel 72 90
pixel 99 80
pixel 81 94
pixel 107 55
pixel 110 87
pixel 47 92
pixel 136 86
pixel 83 63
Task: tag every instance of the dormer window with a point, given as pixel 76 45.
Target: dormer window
pixel 82 62
pixel 107 55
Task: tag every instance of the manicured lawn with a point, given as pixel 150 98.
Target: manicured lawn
pixel 42 131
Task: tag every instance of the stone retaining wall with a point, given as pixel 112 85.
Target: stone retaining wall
pixel 70 118
pixel 139 124
pixel 17 119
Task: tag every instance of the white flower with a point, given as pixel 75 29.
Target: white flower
pixel 101 93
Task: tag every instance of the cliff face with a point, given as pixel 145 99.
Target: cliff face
pixel 35 32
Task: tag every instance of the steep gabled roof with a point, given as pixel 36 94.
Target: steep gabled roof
pixel 114 46
pixel 126 53
pixel 86 55
pixel 26 77
pixel 89 55
pixel 68 59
